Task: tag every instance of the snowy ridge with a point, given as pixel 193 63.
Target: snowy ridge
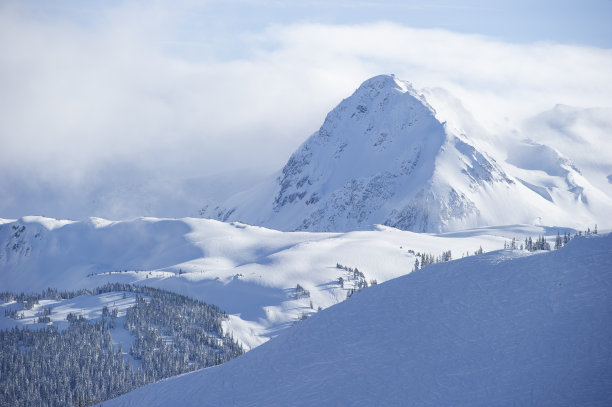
pixel 386 156
pixel 496 329
pixel 250 272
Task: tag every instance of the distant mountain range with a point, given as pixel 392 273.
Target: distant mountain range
pixel 386 155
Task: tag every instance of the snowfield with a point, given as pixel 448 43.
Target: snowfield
pixel 250 272
pixel 496 329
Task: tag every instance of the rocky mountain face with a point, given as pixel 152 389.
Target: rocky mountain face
pixel 385 156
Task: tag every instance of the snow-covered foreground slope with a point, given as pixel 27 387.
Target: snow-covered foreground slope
pixel 499 329
pixel 250 272
pixel 418 161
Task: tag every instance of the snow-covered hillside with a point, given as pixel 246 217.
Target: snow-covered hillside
pixel 251 272
pixel 499 329
pixel 386 156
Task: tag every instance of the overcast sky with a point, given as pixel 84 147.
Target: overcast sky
pixel 91 92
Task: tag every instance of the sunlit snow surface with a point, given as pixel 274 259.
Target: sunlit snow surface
pixel 250 272
pixel 500 329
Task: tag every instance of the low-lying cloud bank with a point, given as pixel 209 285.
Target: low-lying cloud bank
pixel 121 93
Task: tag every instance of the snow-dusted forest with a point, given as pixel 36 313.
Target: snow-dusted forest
pixel 80 364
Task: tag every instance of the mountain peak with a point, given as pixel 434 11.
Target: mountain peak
pixel 382 156
pixel 386 92
pixel 385 85
pixel 385 81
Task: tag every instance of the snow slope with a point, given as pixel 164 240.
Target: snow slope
pixel 250 272
pixel 384 155
pixel 499 329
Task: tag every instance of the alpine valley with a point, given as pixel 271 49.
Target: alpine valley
pixel 404 255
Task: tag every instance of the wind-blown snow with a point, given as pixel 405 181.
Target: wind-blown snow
pixel 499 329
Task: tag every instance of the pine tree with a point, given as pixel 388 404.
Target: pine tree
pixel 558 241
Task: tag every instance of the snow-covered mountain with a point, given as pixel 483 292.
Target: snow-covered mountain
pixel 500 329
pixel 250 272
pixel 387 162
pixel 386 156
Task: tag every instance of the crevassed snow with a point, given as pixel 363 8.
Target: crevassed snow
pixel 497 329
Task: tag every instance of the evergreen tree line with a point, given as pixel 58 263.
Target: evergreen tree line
pixel 301 292
pixel 171 340
pixel 356 277
pixel 425 259
pixel 78 366
pixel 28 300
pixel 540 243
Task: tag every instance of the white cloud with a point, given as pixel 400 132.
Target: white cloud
pixel 131 84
